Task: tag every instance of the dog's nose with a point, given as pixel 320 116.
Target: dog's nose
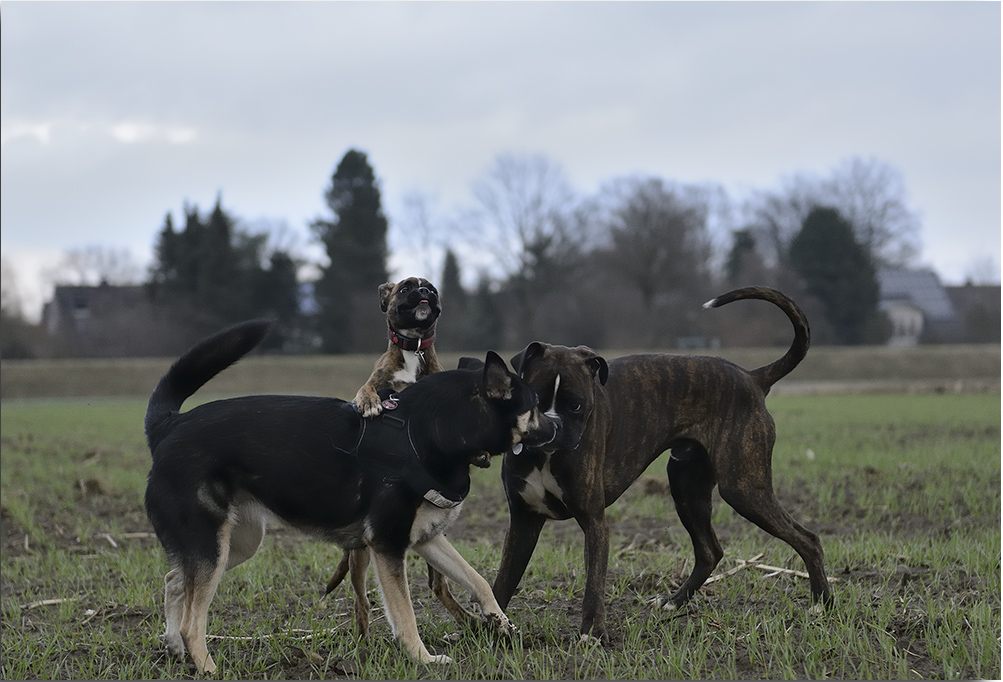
pixel 424 291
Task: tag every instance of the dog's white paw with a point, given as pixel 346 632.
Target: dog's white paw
pixel 817 609
pixel 368 408
pixel 437 660
pixel 589 640
pixel 662 603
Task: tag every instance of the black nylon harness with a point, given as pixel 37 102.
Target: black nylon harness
pixel 386 449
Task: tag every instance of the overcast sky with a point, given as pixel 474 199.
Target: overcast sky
pixel 115 113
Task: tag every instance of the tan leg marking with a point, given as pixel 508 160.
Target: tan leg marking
pixel 392 576
pixel 443 556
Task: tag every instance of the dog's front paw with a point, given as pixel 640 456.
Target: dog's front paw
pixel 437 660
pixel 368 403
pixel 206 666
pixel 499 623
pixel 662 603
pixel 175 645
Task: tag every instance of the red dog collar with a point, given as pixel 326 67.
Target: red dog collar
pixel 407 343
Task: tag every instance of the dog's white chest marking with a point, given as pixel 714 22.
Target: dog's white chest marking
pixel 539 482
pixel 409 374
pixel 430 521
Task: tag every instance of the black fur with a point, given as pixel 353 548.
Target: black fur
pixel 219 466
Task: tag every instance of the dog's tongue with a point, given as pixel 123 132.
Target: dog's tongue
pixel 517 448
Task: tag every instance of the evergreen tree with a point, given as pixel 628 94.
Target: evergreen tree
pixel 837 270
pixel 743 249
pixel 355 241
pixel 213 273
pixel 486 326
pixel 453 327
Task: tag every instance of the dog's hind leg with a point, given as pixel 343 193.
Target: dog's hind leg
pixel 358 561
pixel 753 498
pixel 391 574
pixel 354 563
pixel 691 481
pixel 339 573
pixel 174 611
pixel 443 556
pixel 201 579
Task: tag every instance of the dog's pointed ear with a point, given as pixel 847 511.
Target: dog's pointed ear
pixel 497 378
pixel 470 363
pixel 386 290
pixel 596 363
pixel 527 354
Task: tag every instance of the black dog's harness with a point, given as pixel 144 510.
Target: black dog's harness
pixel 385 449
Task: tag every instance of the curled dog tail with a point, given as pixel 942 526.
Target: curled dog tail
pixel 770 374
pixel 192 370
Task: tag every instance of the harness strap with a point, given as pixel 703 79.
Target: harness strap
pixel 386 449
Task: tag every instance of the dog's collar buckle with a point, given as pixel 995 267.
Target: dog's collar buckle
pixel 408 343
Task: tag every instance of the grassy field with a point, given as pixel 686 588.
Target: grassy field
pixel 879 368
pixel 903 489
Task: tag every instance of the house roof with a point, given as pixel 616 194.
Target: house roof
pixel 985 295
pixel 922 288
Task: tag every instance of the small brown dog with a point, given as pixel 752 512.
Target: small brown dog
pixel 412 308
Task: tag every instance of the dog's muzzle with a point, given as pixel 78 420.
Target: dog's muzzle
pixel 539 437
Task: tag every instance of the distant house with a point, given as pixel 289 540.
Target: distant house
pixel 106 321
pixel 978 306
pixel 918 308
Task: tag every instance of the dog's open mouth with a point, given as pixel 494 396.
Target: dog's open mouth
pixel 422 310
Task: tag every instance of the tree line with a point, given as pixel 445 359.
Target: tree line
pixel 626 267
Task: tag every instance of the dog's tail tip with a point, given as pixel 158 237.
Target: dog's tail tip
pixel 710 304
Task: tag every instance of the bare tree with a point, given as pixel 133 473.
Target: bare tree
pixel 526 219
pixel 420 228
pixel 93 265
pixel 658 236
pixel 869 193
pixel 658 247
pixel 872 196
pixel 776 216
pixel 983 270
pixel 523 203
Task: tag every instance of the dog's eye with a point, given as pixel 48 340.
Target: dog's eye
pixel 575 407
pixel 403 289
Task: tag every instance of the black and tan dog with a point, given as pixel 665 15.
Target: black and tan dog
pixel 413 308
pixel 615 418
pixel 222 469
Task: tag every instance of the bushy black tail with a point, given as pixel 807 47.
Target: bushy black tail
pixel 192 370
pixel 770 374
